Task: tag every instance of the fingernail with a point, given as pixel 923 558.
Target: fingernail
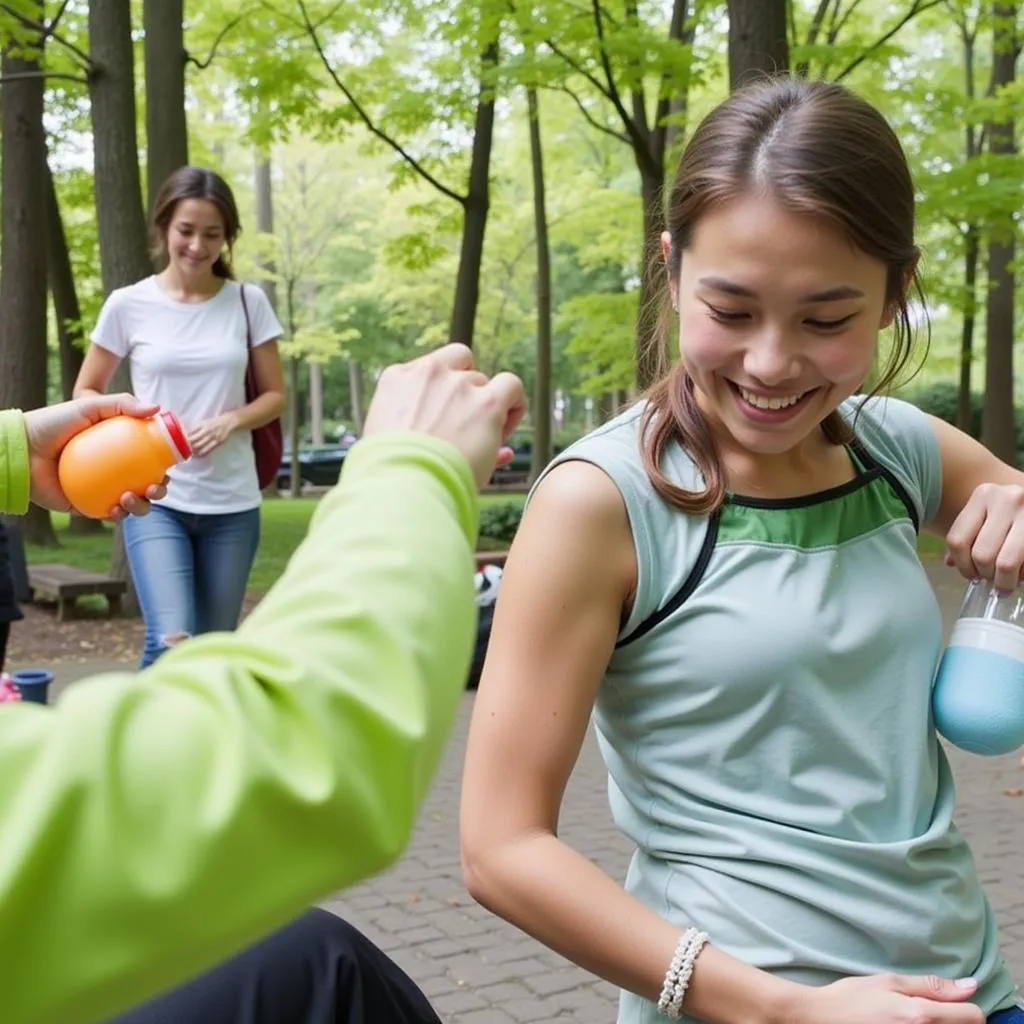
pixel 965 983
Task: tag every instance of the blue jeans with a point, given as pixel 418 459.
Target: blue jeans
pixel 190 572
pixel 1012 1016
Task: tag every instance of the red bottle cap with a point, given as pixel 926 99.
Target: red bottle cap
pixel 177 434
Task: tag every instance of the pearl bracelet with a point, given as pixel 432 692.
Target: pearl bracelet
pixel 677 978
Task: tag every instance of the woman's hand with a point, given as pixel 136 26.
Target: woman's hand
pixel 987 537
pixel 209 435
pixel 888 999
pixel 49 429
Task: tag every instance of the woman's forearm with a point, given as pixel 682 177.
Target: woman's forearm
pixel 260 411
pixel 555 894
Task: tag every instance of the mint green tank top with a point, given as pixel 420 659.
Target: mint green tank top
pixel 766 721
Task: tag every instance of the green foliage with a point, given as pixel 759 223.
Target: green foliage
pixel 501 520
pixel 941 400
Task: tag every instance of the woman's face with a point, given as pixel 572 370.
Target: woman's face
pixel 779 318
pixel 195 237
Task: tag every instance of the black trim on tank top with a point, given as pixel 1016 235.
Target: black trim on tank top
pixel 862 479
pixel 696 574
pixel 868 470
pixel 901 492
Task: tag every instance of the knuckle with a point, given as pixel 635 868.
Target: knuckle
pixel 1006 565
pixel 933 983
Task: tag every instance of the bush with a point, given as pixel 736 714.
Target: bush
pixel 501 520
pixel 940 399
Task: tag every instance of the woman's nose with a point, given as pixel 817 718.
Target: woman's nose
pixel 770 361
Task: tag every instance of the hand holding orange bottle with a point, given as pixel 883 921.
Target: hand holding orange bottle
pixel 51 428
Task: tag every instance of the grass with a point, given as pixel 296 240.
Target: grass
pixel 285 523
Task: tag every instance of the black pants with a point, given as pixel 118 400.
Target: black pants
pixel 318 970
pixel 5 632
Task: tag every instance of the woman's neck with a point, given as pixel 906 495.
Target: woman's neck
pixel 188 289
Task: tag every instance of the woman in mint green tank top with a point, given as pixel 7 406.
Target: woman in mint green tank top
pixel 725 577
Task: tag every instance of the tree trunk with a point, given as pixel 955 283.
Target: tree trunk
pixel 23 354
pixel 651 360
pixel 265 226
pixel 964 410
pixel 166 130
pixel 355 393
pixel 476 206
pixel 294 403
pixel 542 381
pixel 68 315
pixel 265 222
pixel 998 428
pixel 757 40
pixel 650 146
pixel 61 278
pixel 120 217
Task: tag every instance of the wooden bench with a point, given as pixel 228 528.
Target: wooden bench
pixel 64 584
pixel 490 558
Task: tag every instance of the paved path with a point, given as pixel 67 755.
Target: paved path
pixel 478 970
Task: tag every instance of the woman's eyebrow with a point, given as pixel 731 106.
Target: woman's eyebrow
pixel 721 284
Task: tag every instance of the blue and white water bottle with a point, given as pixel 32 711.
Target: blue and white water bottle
pixel 978 697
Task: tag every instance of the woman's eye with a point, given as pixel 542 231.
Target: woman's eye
pixel 830 325
pixel 726 316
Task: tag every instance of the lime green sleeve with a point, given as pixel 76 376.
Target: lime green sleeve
pixel 153 823
pixel 14 482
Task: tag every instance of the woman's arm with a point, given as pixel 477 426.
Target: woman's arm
pixel 98 369
pixel 270 403
pixel 569 576
pixel 981 511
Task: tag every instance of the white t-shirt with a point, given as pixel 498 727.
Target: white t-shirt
pixel 190 358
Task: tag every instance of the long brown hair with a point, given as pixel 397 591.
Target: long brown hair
pixel 196 183
pixel 820 150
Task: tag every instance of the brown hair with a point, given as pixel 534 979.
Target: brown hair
pixel 818 149
pixel 195 183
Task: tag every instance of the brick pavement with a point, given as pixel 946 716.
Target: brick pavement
pixel 479 970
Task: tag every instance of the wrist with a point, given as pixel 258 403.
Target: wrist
pixel 784 1002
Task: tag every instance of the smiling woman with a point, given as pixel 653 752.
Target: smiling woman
pixel 724 580
pixel 189 334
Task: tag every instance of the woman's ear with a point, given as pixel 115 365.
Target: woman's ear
pixel 666 255
pixel 892 308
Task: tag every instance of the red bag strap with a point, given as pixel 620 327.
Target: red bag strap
pixel 245 310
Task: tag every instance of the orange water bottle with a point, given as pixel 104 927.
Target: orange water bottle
pixel 123 453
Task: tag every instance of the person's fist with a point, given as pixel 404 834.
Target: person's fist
pixel 443 395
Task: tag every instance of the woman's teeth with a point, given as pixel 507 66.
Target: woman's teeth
pixel 761 402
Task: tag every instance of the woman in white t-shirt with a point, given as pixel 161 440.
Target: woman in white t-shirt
pixel 185 334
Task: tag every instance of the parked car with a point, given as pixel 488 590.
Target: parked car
pixel 518 470
pixel 319 466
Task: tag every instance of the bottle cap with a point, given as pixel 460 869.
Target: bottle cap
pixel 172 426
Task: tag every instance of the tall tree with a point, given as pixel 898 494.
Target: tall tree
pixel 68 315
pixel 997 425
pixel 117 186
pixel 263 188
pixel 23 354
pixel 165 55
pixel 757 39
pixel 624 63
pixel 61 278
pixel 475 201
pixel 542 380
pixel 968 33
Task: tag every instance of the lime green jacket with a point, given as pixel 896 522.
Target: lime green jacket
pixel 152 823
